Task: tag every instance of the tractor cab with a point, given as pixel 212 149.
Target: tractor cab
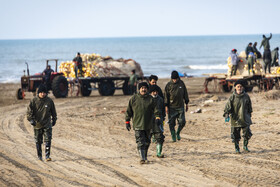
pixel 53 80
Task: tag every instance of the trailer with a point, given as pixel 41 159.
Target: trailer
pixel 106 86
pixel 262 82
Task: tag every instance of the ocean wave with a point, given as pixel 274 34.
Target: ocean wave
pixel 218 66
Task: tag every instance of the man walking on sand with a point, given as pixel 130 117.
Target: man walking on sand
pixel 175 96
pixel 157 130
pixel 239 110
pixel 143 109
pixel 41 114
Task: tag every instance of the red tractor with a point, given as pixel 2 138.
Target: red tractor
pixel 56 82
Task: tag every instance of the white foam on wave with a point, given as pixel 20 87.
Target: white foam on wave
pixel 219 66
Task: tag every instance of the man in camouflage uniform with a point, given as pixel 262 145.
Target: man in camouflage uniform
pixel 175 96
pixel 142 108
pixel 266 52
pixel 41 114
pixel 239 109
pixel 78 64
pixel 157 130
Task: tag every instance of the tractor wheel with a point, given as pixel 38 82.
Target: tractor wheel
pixel 19 94
pixel 247 87
pixel 106 88
pixel 85 88
pixel 125 88
pixel 60 87
pixel 227 87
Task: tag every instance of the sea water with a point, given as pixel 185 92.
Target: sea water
pixel 193 55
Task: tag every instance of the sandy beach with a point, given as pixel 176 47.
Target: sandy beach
pixel 91 146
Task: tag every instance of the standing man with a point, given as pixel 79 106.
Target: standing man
pixel 275 57
pixel 143 109
pixel 234 61
pixel 266 52
pixel 132 83
pixel 78 64
pixel 47 76
pixel 153 81
pixel 41 114
pixel 267 60
pixel 239 109
pixel 157 130
pixel 176 95
pixel 249 49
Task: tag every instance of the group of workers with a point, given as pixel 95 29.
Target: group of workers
pixel 270 58
pixel 147 109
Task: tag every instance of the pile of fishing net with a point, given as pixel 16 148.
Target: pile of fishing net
pixel 94 65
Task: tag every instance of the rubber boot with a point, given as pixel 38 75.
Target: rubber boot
pixel 245 146
pixel 178 133
pixel 173 135
pixel 142 155
pixel 237 149
pixel 48 151
pixel 159 150
pixel 39 150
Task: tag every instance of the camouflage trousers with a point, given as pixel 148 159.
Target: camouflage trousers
pixel 179 114
pixel 235 133
pixel 43 132
pixel 143 139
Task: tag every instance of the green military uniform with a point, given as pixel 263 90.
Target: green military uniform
pixel 275 57
pixel 240 109
pixel 142 109
pixel 176 95
pixel 42 111
pixel 157 130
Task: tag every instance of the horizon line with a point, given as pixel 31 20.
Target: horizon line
pixel 115 37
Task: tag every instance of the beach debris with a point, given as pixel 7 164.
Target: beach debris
pixel 94 65
pixel 196 111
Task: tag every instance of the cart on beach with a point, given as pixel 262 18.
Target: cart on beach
pixel 261 82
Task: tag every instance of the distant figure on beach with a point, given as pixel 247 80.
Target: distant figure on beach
pixel 275 57
pixel 175 96
pixel 248 49
pixel 42 116
pixel 250 62
pixel 239 109
pixel 157 129
pixel 267 60
pixel 256 51
pixel 153 81
pixel 132 83
pixel 47 76
pixel 234 61
pixel 265 42
pixel 78 64
pixel 143 110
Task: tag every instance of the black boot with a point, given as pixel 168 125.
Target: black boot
pixel 39 150
pixel 237 149
pixel 48 151
pixel 245 146
pixel 142 153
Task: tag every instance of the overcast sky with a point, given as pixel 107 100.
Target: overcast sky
pixel 26 19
